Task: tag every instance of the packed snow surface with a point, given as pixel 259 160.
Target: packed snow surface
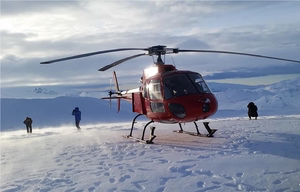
pixel 244 155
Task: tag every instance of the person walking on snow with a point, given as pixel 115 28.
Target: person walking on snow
pixel 28 122
pixel 77 115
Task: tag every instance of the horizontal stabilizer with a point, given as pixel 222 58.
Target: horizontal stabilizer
pixel 116 97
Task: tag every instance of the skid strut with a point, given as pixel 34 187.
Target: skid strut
pixel 133 122
pixel 209 130
pixel 152 136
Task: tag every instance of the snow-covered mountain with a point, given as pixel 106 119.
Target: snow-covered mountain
pixel 52 106
pixel 52 92
pixel 279 96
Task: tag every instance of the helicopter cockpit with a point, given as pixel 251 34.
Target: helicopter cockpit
pixel 184 84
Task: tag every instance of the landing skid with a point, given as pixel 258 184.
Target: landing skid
pixel 152 136
pixel 209 130
pixel 150 141
pixel 193 133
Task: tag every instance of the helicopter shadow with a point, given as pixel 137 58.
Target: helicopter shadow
pixel 287 145
pixel 277 144
pixel 192 143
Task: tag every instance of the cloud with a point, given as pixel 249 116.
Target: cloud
pixel 193 43
pixel 38 31
pixel 13 8
pixel 256 72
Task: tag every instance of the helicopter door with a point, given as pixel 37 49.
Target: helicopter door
pixel 155 95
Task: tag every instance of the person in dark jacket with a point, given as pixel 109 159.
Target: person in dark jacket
pixel 77 115
pixel 252 110
pixel 28 122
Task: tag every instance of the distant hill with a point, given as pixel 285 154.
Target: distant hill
pixel 52 106
pixel 57 111
pixel 220 87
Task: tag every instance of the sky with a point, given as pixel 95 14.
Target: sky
pixel 36 31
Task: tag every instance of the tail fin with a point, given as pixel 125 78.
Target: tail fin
pixel 116 82
pixel 117 89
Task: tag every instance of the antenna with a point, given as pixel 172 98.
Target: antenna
pixel 153 58
pixel 173 61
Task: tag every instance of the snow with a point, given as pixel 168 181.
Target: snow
pixel 244 155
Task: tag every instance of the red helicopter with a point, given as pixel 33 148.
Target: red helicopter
pixel 167 95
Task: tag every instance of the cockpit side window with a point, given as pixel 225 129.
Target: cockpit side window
pixel 154 90
pixel 178 85
pixel 145 91
pixel 199 83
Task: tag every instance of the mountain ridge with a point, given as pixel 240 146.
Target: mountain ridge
pixel 276 99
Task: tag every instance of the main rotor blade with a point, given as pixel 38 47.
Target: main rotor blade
pixel 237 53
pixel 92 53
pixel 120 61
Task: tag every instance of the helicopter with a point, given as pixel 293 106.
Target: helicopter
pixel 166 94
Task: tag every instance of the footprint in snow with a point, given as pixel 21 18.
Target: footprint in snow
pixel 112 180
pixel 200 184
pixel 164 180
pixel 240 174
pixel 124 178
pixel 112 189
pixel 161 189
pixel 98 183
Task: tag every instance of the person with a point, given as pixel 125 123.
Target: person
pixel 28 122
pixel 77 115
pixel 252 110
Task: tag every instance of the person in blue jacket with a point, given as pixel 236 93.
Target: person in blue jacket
pixel 77 115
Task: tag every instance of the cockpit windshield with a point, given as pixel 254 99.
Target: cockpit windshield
pixel 184 84
pixel 199 82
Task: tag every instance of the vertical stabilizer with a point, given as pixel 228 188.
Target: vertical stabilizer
pixel 116 82
pixel 117 90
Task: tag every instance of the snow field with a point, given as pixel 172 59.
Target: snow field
pixel 244 155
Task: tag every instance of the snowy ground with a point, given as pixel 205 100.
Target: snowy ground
pixel 256 155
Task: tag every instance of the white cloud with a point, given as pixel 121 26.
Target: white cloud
pixel 42 31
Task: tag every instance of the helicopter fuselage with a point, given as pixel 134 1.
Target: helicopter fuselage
pixel 172 96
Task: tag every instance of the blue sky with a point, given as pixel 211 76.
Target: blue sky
pixel 36 31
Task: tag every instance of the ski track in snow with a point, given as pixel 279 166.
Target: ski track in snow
pixel 176 162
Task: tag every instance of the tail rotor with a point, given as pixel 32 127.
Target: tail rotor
pixel 110 92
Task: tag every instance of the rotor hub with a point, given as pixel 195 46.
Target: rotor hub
pixel 161 50
pixel 157 50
